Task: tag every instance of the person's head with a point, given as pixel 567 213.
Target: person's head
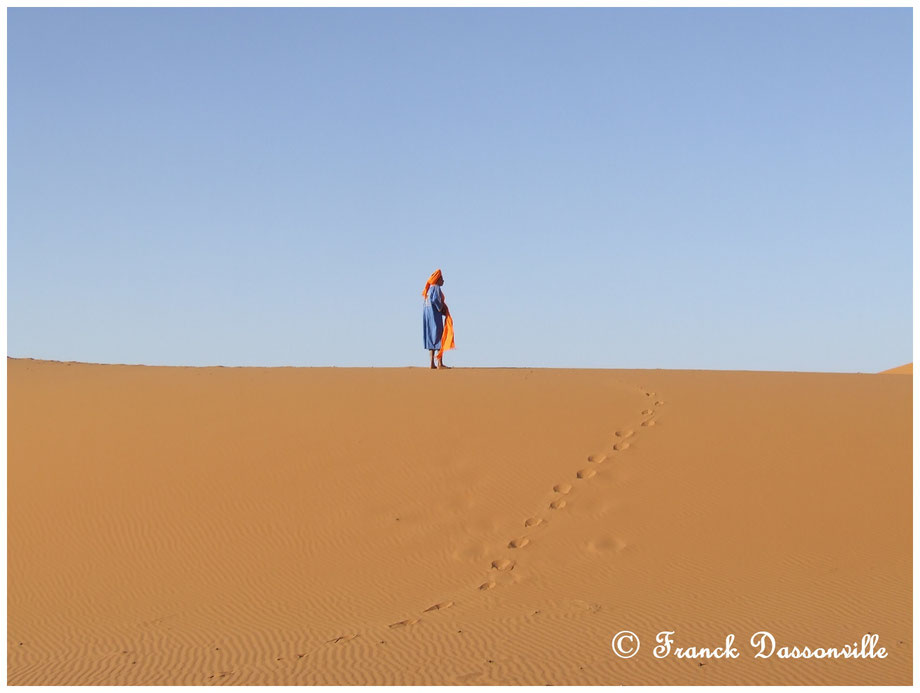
pixel 434 280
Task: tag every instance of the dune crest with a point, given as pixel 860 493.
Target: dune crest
pixel 906 369
pixel 498 526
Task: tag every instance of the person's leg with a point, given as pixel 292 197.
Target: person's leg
pixel 431 351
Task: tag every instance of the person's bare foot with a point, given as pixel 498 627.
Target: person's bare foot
pixel 441 365
pixel 433 366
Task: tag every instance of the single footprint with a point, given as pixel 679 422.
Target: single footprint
pixel 650 422
pixel 624 433
pixel 503 564
pixel 487 585
pixel 562 488
pixel 646 412
pixel 659 402
pixel 407 622
pixel 586 473
pixel 440 606
pixel 533 521
pixel 344 638
pixel 597 458
pixel 649 394
pixel 621 446
pixel 518 543
pixel 557 504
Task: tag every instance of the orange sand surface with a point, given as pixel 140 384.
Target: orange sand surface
pixel 474 526
pixel 906 369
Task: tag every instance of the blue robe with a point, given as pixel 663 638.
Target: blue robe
pixel 432 319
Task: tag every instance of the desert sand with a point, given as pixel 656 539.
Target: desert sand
pixel 471 526
pixel 906 369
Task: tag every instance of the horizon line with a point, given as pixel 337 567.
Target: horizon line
pixel 468 368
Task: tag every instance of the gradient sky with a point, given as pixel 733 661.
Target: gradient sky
pixel 614 188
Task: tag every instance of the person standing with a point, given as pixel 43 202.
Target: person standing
pixel 437 324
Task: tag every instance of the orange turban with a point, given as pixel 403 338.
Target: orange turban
pixel 447 338
pixel 433 279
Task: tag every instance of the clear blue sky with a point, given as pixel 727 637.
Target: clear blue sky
pixel 601 188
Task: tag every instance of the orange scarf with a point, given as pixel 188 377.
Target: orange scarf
pixel 433 279
pixel 447 338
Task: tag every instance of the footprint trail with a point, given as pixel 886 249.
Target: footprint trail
pixel 620 443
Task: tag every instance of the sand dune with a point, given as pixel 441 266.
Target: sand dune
pixel 906 369
pixel 475 526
